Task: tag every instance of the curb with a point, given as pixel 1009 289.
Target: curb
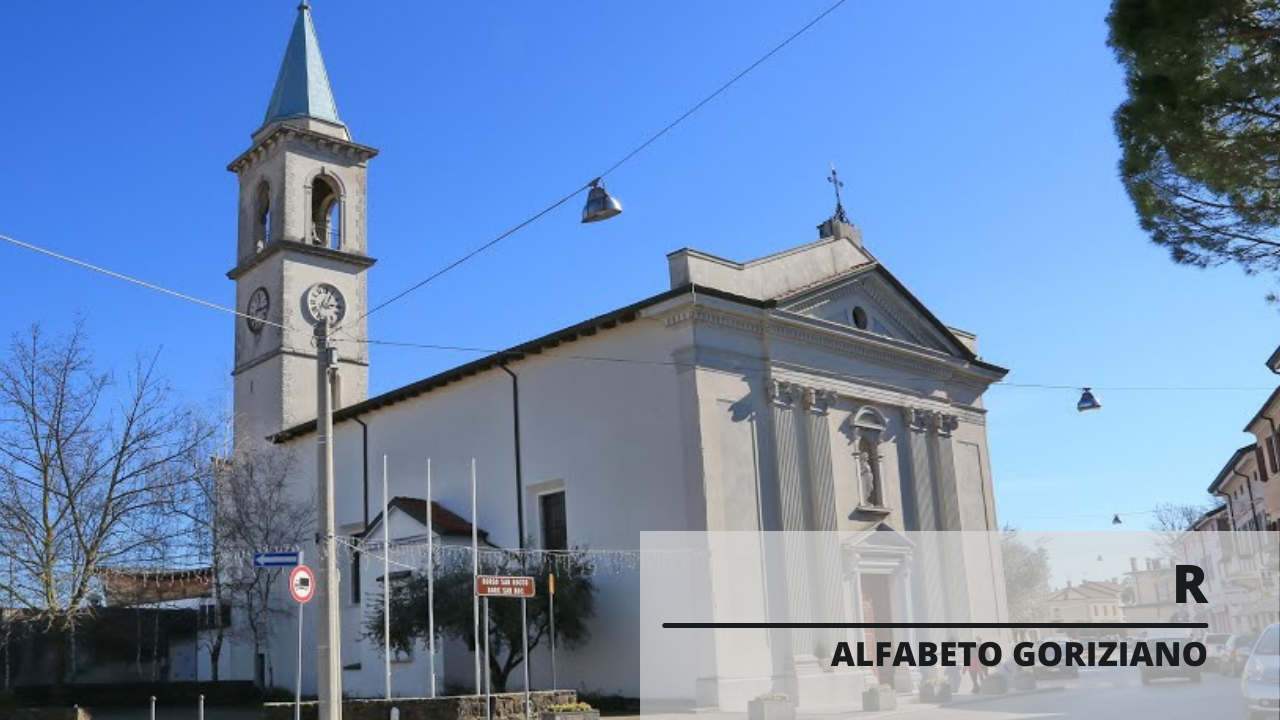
pixel 917 706
pixel 984 698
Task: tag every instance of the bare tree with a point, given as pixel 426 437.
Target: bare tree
pixel 1026 575
pixel 195 506
pixel 1170 521
pixel 258 509
pixel 87 467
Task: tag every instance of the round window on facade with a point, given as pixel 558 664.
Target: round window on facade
pixel 859 318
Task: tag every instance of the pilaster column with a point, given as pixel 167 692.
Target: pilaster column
pixel 791 459
pixel 929 551
pixel 917 422
pixel 941 427
pixel 909 615
pixel 825 541
pixel 817 403
pixel 949 517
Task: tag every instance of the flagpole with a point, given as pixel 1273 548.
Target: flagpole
pixel 475 571
pixel 386 581
pixel 431 583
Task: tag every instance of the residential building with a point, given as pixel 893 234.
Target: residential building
pixel 1265 428
pixel 1092 601
pixel 1249 558
pixel 1208 545
pixel 1149 592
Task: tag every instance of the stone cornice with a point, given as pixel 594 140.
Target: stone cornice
pixel 924 361
pixel 360 261
pixel 335 146
pixel 922 415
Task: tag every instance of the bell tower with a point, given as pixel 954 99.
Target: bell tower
pixel 301 222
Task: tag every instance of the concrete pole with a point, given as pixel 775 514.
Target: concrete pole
pixel 328 649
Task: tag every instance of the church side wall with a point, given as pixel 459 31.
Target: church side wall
pixel 608 433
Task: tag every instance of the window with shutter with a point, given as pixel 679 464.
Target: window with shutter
pixel 555 531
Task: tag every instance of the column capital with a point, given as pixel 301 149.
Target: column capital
pixel 782 392
pixel 944 424
pixel 939 423
pixel 918 419
pixel 819 400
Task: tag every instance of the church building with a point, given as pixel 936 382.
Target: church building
pixel 806 390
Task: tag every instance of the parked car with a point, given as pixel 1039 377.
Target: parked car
pixel 1061 669
pixel 1155 672
pixel 1237 654
pixel 1261 682
pixel 1215 649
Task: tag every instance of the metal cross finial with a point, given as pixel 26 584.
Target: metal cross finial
pixel 834 179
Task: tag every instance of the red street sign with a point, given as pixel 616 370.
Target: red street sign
pixel 302 583
pixel 504 586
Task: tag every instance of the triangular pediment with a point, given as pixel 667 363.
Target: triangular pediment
pixel 881 537
pixel 869 299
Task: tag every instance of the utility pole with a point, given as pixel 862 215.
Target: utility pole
pixel 329 636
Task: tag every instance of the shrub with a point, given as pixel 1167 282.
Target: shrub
pixel 570 707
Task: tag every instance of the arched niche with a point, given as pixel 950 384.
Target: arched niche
pixel 868 430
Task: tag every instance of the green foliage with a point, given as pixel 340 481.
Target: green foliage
pixel 570 707
pixel 454 593
pixel 1199 131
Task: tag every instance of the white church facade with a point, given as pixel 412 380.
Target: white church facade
pixel 806 390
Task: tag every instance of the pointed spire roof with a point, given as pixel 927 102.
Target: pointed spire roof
pixel 302 87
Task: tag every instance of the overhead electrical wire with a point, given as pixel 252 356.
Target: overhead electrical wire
pixel 591 358
pixel 617 164
pixel 675 363
pixel 135 281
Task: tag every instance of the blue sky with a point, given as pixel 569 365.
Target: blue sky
pixel 975 142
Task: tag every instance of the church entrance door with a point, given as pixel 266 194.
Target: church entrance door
pixel 876 609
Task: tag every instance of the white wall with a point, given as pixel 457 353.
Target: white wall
pixel 622 473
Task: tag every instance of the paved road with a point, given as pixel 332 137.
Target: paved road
pixel 1099 694
pixel 1105 694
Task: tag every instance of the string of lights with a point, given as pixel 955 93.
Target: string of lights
pixel 412 555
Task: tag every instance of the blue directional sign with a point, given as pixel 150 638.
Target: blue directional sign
pixel 276 559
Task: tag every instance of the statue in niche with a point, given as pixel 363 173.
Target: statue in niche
pixel 869 473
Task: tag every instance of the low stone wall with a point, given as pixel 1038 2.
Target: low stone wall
pixel 45 714
pixel 507 706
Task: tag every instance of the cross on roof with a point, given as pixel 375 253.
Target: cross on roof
pixel 834 179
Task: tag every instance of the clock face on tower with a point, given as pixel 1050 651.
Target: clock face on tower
pixel 324 303
pixel 256 309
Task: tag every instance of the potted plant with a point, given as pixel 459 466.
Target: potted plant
pixel 1025 679
pixel 995 684
pixel 879 697
pixel 771 706
pixel 936 690
pixel 571 711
